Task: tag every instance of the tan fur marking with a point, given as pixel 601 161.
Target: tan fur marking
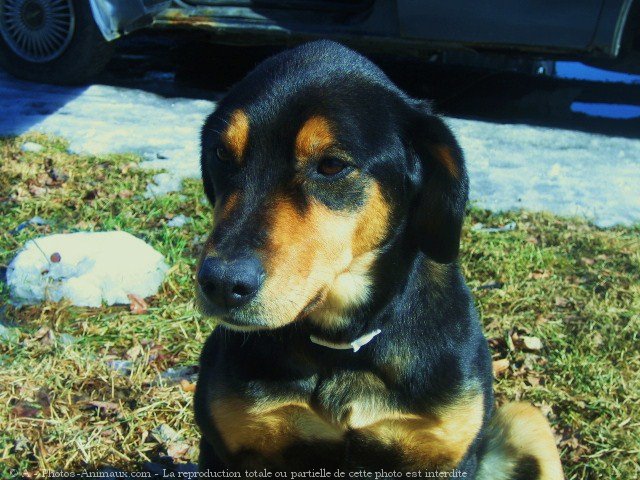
pixel 304 253
pixel 349 289
pixel 519 430
pixel 351 286
pixel 444 156
pixel 432 441
pixel 314 137
pixel 373 222
pixel 236 135
pixel 318 260
pixel 268 427
pixel 227 207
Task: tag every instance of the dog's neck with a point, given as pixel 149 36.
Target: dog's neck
pixel 391 288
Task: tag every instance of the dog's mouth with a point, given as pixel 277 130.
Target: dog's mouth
pixel 232 324
pixel 254 316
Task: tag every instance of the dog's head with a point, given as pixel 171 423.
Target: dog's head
pixel 316 165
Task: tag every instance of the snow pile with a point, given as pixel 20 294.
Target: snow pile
pixel 511 166
pixel 178 221
pixel 87 268
pixel 103 119
pixel 561 171
pixel 32 147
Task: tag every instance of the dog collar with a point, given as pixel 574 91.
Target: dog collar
pixel 356 345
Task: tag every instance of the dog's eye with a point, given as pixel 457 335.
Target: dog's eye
pixel 223 155
pixel 331 166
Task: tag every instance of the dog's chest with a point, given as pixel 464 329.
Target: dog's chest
pixel 318 406
pixel 348 418
pixel 353 400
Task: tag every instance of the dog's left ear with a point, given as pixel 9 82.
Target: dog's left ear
pixel 441 182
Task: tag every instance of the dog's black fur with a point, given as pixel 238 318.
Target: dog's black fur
pixel 419 394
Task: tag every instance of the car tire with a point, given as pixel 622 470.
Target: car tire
pixel 51 41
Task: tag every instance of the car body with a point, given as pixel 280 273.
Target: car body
pixel 598 31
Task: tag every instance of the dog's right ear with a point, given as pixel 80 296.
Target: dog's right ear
pixel 441 185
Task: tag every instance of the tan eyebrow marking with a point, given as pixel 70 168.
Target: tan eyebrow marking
pixel 315 135
pixel 236 136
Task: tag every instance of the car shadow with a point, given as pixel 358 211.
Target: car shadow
pixel 26 105
pixel 178 65
pixel 196 68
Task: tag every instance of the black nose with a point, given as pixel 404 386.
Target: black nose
pixel 232 283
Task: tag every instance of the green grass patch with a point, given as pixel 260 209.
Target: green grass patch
pixel 63 406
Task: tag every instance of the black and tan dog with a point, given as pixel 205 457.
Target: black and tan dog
pixel 349 338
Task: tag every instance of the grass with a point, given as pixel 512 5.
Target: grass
pixel 63 406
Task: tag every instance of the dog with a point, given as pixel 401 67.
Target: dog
pixel 348 338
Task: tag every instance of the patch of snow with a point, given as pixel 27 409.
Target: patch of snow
pixel 123 367
pixel 87 268
pixel 31 147
pixel 178 221
pixel 480 227
pixel 164 183
pixel 102 119
pixel 607 110
pixel 177 374
pixel 562 171
pixel 580 71
pixel 511 166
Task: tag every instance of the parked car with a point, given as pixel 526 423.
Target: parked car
pixel 68 41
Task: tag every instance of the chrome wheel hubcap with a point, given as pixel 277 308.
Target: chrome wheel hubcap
pixel 37 30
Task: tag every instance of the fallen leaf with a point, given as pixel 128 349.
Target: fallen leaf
pixel 44 335
pixel 163 433
pixel 497 342
pixel 597 339
pixel 138 305
pixel 537 275
pixel 500 366
pixel 541 319
pixel 37 191
pixel 55 257
pixel 187 386
pixel 531 343
pixel 25 410
pixel 587 261
pixel 43 397
pixel 177 450
pixel 533 380
pixel 134 352
pixel 561 302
